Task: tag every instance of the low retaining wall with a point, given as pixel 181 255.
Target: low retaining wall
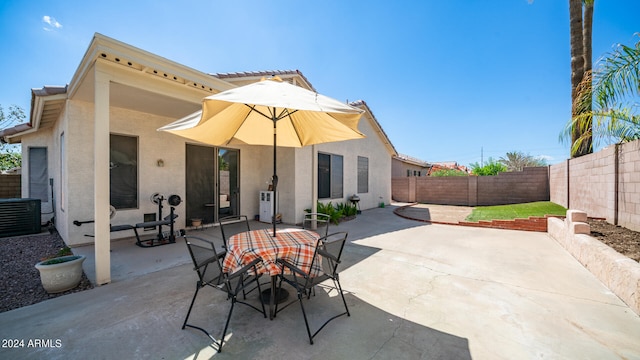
pixel 616 271
pixel 533 223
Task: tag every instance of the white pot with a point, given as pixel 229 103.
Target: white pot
pixel 63 276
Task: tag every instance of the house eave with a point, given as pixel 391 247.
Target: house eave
pixel 46 106
pixel 411 160
pixel 383 136
pixel 257 75
pixel 105 48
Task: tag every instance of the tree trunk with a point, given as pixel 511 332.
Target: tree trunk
pixel 587 27
pixel 577 60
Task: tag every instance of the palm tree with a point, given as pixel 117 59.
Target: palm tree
pixel 517 160
pixel 580 65
pixel 616 88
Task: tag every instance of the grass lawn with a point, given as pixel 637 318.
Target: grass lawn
pixel 508 212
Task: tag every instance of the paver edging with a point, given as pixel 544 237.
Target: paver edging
pixel 533 223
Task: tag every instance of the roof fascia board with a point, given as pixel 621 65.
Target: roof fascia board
pixel 412 162
pixel 39 102
pixel 297 75
pixel 37 107
pixel 103 44
pixel 378 128
pixel 136 79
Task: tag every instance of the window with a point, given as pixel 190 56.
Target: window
pixel 38 174
pixel 330 174
pixel 123 165
pixel 363 175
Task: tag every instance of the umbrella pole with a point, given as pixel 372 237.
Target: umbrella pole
pixel 274 179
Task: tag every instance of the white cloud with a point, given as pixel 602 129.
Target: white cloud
pixel 548 158
pixel 52 23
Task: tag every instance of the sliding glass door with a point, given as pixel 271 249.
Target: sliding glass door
pixel 213 183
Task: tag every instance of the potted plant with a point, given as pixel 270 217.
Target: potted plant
pixel 61 272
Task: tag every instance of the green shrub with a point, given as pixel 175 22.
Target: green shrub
pixel 492 167
pixel 336 212
pixel 56 258
pixel 347 209
pixel 449 172
pixel 60 260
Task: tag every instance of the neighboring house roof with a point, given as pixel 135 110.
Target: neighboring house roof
pixel 452 165
pixel 411 160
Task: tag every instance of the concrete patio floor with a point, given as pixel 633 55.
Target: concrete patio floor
pixel 415 291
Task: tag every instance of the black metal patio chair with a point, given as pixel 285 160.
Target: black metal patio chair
pixel 317 222
pixel 232 225
pixel 208 265
pixel 330 250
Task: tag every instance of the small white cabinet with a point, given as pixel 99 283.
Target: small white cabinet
pixel 266 206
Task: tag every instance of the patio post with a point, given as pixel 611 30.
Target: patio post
pixel 101 177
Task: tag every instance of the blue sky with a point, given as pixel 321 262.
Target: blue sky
pixel 448 80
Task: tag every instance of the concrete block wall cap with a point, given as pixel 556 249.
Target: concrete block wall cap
pixel 576 216
pixel 616 271
pixel 580 228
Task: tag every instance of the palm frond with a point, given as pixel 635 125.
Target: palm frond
pixel 606 104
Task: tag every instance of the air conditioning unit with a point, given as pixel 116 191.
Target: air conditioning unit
pixel 19 217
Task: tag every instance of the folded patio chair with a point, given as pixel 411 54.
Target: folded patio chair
pixel 330 249
pixel 207 263
pixel 232 225
pixel 317 222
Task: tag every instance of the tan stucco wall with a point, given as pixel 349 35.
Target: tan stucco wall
pixel 255 170
pixel 152 146
pixel 371 147
pixel 295 170
pixel 40 139
pixel 399 168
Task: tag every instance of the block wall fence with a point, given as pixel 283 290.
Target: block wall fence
pixel 531 184
pixel 10 186
pixel 605 184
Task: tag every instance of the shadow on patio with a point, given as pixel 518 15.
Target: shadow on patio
pixel 414 291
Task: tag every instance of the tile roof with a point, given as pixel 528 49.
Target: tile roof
pixel 52 111
pixel 411 159
pixel 244 74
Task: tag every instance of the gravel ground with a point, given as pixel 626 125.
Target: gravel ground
pixel 19 279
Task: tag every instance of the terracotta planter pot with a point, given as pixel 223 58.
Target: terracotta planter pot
pixel 62 276
pixel 196 222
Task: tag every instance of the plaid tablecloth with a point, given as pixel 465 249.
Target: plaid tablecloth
pixel 296 246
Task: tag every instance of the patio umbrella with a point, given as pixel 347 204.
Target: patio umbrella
pixel 269 112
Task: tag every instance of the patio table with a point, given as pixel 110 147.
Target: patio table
pixel 296 246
